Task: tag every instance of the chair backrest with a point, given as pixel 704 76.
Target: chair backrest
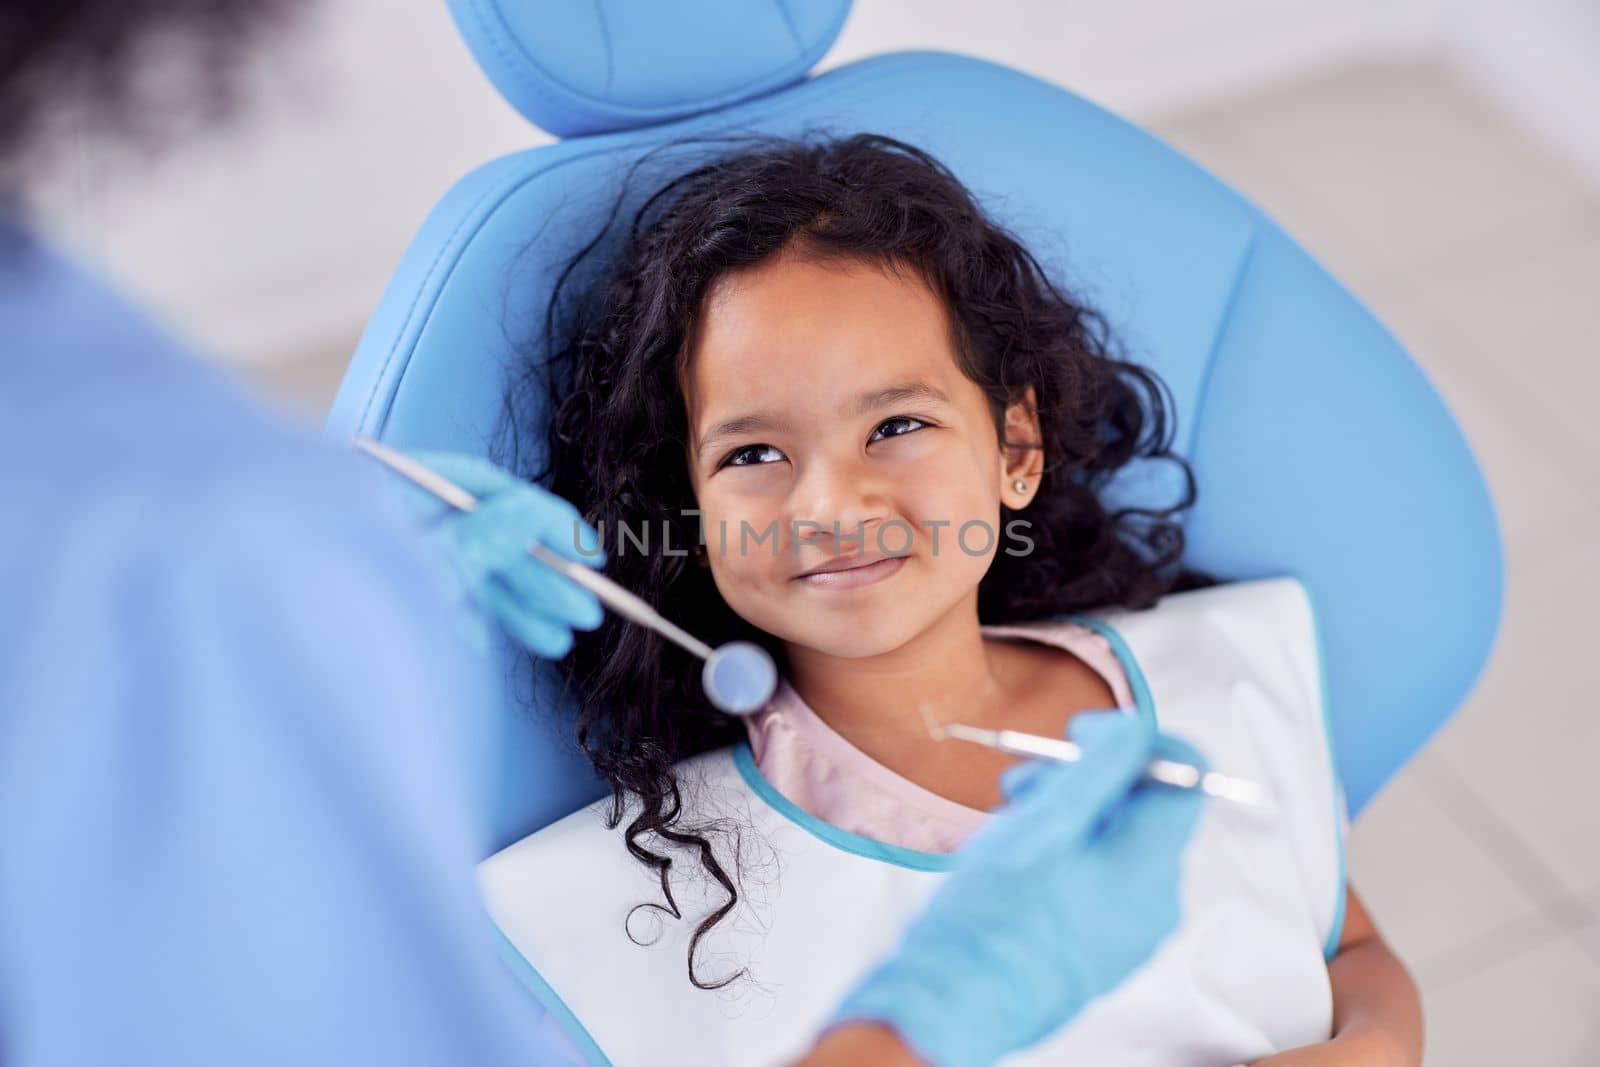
pixel 1319 447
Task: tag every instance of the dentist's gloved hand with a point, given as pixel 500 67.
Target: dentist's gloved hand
pixel 1054 902
pixel 537 605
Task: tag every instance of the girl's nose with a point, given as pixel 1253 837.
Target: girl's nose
pixel 838 499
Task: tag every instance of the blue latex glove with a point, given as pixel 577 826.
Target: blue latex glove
pixel 536 604
pixel 1056 901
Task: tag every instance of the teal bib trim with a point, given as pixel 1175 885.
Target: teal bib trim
pixel 869 847
pixel 1142 699
pixel 552 1002
pixel 1330 948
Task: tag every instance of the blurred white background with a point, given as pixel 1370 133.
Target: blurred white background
pixel 273 239
pixel 1440 156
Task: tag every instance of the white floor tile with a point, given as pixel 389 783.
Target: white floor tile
pixel 1535 314
pixel 1524 741
pixel 1535 1008
pixel 1410 163
pixel 1587 932
pixel 1430 887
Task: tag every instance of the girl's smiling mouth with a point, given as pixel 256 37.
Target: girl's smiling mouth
pixel 851 572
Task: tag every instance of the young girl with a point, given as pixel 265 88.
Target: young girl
pixel 821 402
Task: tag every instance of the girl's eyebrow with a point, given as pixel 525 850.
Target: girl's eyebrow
pixel 871 400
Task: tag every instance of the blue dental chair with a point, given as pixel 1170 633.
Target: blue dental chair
pixel 1320 449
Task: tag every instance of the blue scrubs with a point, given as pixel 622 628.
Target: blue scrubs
pixel 240 826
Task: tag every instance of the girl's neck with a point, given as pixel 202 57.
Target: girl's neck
pixel 875 701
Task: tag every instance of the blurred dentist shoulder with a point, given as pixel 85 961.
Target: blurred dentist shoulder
pixel 240 822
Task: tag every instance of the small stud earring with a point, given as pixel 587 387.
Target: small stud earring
pixel 1020 486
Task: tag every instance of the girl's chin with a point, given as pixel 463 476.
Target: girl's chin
pixel 859 639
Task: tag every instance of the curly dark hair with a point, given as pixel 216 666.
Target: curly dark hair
pixel 617 428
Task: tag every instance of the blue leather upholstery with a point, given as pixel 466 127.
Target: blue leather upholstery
pixel 574 67
pixel 1320 448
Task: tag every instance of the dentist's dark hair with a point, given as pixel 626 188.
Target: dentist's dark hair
pixel 614 344
pixel 90 59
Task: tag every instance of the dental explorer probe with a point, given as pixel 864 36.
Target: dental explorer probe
pixel 739 677
pixel 1170 772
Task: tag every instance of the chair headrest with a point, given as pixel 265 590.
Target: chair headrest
pixel 576 67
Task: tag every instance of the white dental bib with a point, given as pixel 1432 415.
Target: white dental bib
pixel 1234 669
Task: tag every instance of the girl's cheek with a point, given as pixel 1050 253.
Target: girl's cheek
pixel 745 541
pixel 943 483
pixel 943 454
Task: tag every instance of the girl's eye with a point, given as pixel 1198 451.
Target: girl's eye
pixel 739 457
pixel 898 420
pixel 750 455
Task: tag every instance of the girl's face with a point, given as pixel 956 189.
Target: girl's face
pixel 830 424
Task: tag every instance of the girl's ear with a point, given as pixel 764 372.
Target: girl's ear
pixel 1021 453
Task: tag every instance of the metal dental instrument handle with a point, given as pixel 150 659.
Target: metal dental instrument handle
pixel 736 656
pixel 1171 772
pixel 612 594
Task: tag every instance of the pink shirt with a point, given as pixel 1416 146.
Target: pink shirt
pixel 825 775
